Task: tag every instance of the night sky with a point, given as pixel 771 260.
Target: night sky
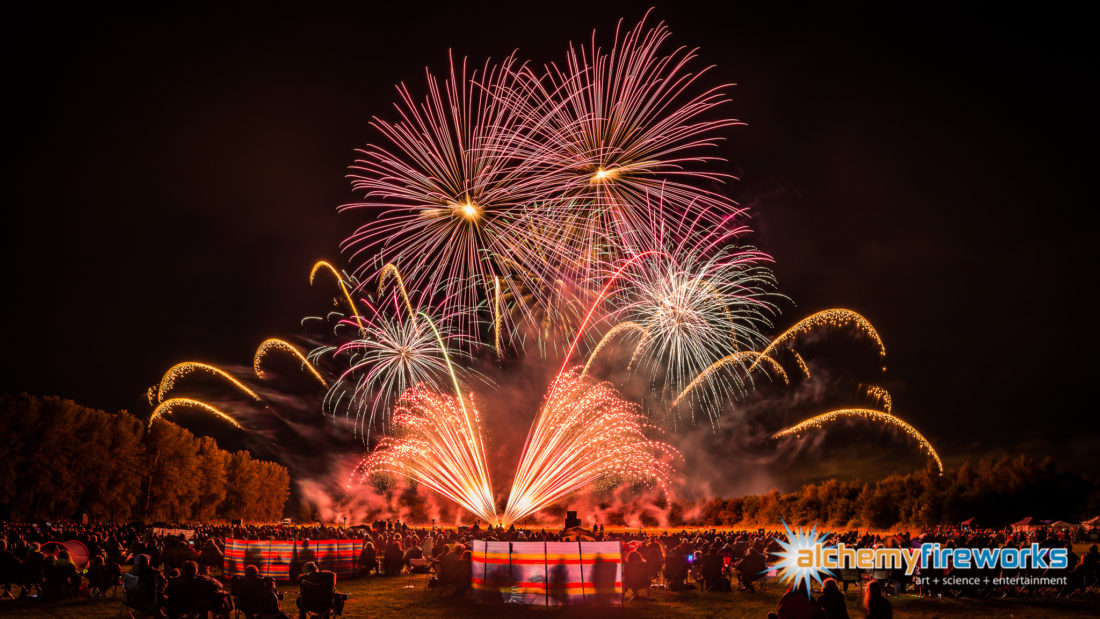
pixel 173 175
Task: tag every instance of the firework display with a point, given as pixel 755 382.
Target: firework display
pixel 569 213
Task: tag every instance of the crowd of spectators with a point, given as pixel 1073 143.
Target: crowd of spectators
pixel 708 560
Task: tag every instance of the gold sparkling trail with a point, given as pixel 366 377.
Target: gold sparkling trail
pixel 617 329
pixel 816 423
pixel 390 270
pixel 276 344
pixel 321 264
pixel 496 316
pixel 166 407
pixel 881 396
pixel 801 363
pixel 836 317
pixel 736 357
pixel 178 371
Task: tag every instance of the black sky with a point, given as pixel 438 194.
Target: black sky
pixel 173 174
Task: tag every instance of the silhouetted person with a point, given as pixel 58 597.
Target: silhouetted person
pixel 316 589
pixel 875 603
pixel 257 596
pixel 11 568
pixel 832 601
pixel 101 576
pixel 711 570
pixel 143 586
pixel 603 581
pixel 305 554
pixel 368 558
pixel 464 574
pixel 676 567
pixel 62 580
pixel 750 568
pixel 33 569
pixel 393 556
pixel 559 583
pixel 500 584
pixel 211 555
pixel 191 592
pixel 635 574
pixel 796 604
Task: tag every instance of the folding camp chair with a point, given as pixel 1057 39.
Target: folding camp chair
pixel 418 566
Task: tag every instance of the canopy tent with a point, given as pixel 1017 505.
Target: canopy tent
pixel 1026 525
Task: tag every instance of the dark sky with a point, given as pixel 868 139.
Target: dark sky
pixel 173 174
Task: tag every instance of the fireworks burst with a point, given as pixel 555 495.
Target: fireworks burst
pixel 585 434
pixel 698 298
pixel 446 185
pixel 605 130
pixel 436 441
pixel 737 359
pixel 881 396
pixel 391 354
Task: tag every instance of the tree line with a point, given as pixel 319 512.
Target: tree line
pixel 59 459
pixel 993 491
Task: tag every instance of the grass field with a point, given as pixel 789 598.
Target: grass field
pixel 388 597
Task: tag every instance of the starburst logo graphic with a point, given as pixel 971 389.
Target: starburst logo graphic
pixel 797 563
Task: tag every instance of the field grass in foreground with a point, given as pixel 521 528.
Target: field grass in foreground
pixel 387 597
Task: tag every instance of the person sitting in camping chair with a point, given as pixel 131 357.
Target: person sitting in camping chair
pixel 10 568
pixel 317 596
pixel 256 597
pixel 193 594
pixel 102 577
pixel 143 587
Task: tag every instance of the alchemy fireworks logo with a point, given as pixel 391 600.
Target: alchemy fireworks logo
pixel 796 563
pixel 805 556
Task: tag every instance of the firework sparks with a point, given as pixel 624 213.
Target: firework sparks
pixel 276 344
pixel 390 270
pixel 887 419
pixel 591 310
pixel 392 354
pixel 609 127
pixel 437 441
pixel 882 396
pixel 178 371
pixel 321 264
pixel 168 406
pixel 585 434
pixel 737 359
pixel 801 363
pixel 698 298
pixel 835 318
pixel 616 330
pixel 446 185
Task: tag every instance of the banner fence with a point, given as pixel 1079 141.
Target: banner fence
pixel 548 573
pixel 283 559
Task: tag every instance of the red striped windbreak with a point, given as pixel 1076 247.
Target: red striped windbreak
pixel 548 573
pixel 282 559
